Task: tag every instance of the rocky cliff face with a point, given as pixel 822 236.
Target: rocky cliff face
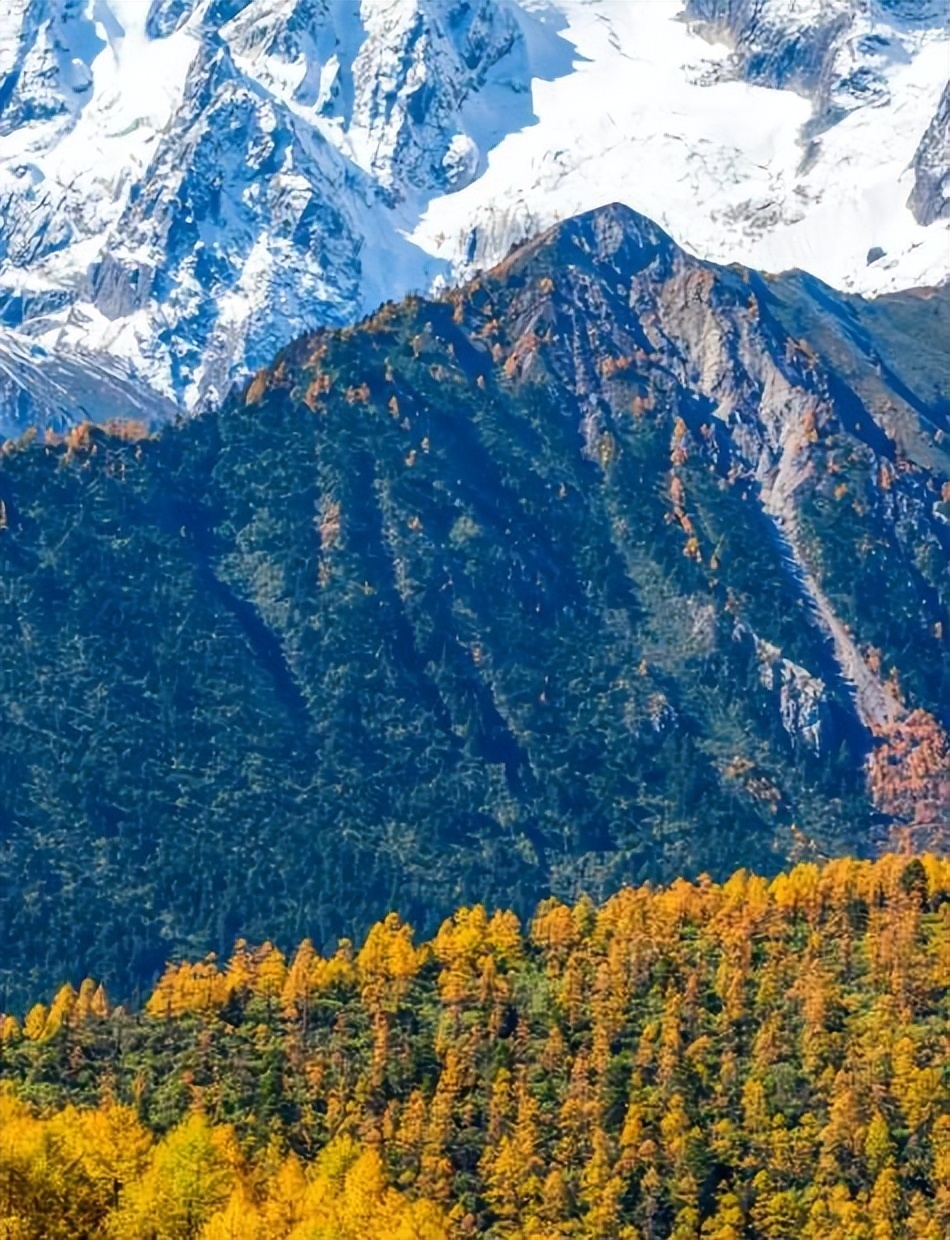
pixel 394 81
pixel 776 400
pixel 836 52
pixel 930 198
pixel 233 235
pixel 251 192
pixel 186 185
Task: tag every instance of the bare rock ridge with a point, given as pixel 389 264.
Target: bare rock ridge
pixel 774 397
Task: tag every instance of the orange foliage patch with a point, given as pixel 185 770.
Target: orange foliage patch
pixel 330 525
pixel 319 386
pixel 80 438
pixel 258 387
pixel 613 365
pixel 525 347
pixel 909 773
pixel 129 430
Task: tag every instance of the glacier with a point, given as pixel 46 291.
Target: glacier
pixel 185 185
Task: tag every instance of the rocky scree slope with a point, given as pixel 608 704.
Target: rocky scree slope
pixel 611 565
pixel 186 185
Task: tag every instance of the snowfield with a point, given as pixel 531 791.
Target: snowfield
pixel 644 120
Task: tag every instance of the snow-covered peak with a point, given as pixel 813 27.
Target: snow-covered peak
pixel 387 80
pixel 186 184
pixel 838 53
pixel 46 54
pixel 411 78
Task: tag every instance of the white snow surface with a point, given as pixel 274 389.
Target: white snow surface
pixel 645 119
pixel 187 184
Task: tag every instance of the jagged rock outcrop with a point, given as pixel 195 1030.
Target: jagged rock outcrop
pixel 235 234
pixel 836 52
pixel 930 198
pixel 231 206
pixel 794 50
pixel 46 71
pixel 802 699
pixel 395 79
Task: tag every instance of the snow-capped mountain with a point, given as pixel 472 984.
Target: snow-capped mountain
pixel 187 184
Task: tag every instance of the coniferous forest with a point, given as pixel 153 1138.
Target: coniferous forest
pixel 751 1060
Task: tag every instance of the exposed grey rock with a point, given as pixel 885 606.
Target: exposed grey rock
pixel 235 176
pixel 397 77
pixel 661 714
pixel 49 77
pixel 763 398
pixel 802 698
pixel 832 51
pixel 444 54
pixel 165 16
pixel 930 198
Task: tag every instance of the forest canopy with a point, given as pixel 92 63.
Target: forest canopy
pixel 751 1060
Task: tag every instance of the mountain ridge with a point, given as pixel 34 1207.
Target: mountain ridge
pixel 482 595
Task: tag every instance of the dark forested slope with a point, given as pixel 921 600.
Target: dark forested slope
pixel 597 570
